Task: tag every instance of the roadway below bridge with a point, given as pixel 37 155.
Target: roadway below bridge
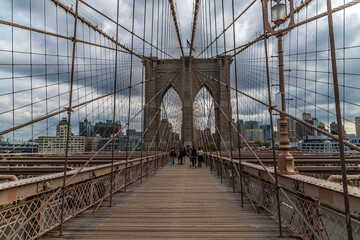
pixel 178 203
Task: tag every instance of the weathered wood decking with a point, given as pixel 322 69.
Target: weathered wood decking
pixel 178 203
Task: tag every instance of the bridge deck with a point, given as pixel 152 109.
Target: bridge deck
pixel 179 203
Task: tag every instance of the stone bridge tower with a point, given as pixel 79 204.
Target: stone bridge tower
pixel 187 80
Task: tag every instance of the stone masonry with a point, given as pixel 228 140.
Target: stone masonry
pixel 187 81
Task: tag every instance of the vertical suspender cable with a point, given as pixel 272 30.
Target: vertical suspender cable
pixel 237 110
pixel 114 103
pixel 339 121
pixel 272 127
pixel 69 119
pixel 142 94
pixel 130 89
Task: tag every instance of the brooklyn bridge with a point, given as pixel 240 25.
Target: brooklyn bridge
pixel 192 119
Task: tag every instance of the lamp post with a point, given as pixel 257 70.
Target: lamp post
pixel 285 161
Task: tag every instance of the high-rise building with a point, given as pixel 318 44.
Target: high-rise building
pixel 57 144
pixel 306 116
pixel 86 128
pixel 133 132
pixel 334 129
pixel 302 131
pixel 91 143
pixel 251 125
pixel 61 128
pixel 235 134
pixel 105 129
pixel 266 128
pixel 321 125
pixel 254 135
pixel 357 126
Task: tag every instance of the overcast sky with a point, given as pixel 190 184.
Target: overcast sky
pixel 94 79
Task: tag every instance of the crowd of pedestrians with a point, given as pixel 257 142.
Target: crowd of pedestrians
pixel 195 156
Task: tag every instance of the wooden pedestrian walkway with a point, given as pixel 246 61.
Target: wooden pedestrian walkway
pixel 177 203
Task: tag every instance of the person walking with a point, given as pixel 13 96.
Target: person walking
pixel 180 157
pixel 200 154
pixel 172 156
pixel 193 156
pixel 184 155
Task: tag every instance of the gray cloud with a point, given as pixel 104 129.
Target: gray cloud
pixel 94 76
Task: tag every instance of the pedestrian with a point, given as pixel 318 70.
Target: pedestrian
pixel 172 156
pixel 180 157
pixel 200 154
pixel 184 155
pixel 193 156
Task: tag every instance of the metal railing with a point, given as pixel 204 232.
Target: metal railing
pixel 20 220
pixel 327 222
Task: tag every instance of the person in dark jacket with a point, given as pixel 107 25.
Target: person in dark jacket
pixel 180 156
pixel 172 156
pixel 184 154
pixel 193 156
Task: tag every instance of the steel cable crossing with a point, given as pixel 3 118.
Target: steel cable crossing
pixel 68 65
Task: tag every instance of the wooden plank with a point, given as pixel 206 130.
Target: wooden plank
pixel 178 203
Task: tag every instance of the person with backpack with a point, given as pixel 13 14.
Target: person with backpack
pixel 193 156
pixel 172 156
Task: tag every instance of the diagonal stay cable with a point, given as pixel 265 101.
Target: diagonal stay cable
pixel 271 176
pixel 347 143
pixel 233 22
pixel 220 157
pixel 69 10
pixel 81 104
pixel 148 127
pixel 173 13
pixel 45 203
pixel 196 13
pixel 123 27
pixel 289 28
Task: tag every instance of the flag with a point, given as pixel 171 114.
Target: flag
pixel 189 45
